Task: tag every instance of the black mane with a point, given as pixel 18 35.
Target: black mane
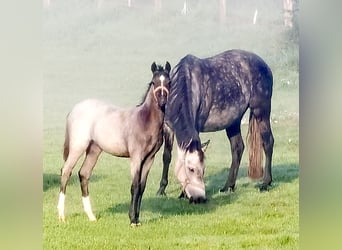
pixel 178 111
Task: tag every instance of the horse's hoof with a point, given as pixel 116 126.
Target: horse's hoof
pixel 264 187
pixel 230 189
pixel 182 195
pixel 161 193
pixel 198 200
pixel 138 224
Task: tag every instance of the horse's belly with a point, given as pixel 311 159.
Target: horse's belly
pixel 110 134
pixel 114 147
pixel 221 119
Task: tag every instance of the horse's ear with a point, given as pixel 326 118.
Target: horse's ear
pixel 154 67
pixel 167 67
pixel 205 145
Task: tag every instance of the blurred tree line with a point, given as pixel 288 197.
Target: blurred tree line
pixel 290 10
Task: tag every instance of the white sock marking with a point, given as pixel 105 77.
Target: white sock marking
pixel 87 208
pixel 60 206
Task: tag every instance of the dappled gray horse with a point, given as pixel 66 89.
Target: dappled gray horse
pixel 213 94
pixel 94 126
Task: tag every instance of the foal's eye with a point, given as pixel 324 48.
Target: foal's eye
pixel 192 170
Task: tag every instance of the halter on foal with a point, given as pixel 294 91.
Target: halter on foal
pixel 94 126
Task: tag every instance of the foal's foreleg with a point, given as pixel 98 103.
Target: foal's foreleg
pixel 135 193
pixel 168 143
pixel 65 175
pixel 137 189
pixel 84 174
pixel 237 147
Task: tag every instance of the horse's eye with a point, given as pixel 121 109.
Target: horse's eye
pixel 192 170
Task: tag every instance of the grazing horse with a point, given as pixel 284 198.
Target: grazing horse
pixel 213 94
pixel 94 126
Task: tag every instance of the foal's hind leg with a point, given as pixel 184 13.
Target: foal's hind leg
pixel 267 143
pixel 237 147
pixel 66 173
pixel 92 154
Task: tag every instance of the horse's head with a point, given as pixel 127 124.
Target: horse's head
pixel 161 82
pixel 189 171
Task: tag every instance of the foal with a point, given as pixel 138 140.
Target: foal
pixel 94 126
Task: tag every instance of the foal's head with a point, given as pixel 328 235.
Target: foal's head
pixel 161 82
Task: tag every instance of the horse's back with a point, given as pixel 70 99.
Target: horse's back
pixel 97 121
pixel 86 112
pixel 221 87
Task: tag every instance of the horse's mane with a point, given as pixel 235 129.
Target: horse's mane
pixel 178 111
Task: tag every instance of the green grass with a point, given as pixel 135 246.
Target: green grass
pixel 107 54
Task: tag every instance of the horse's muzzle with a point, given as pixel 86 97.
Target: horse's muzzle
pixel 195 194
pixel 198 200
pixel 162 101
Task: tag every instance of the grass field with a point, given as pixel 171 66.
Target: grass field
pixel 106 53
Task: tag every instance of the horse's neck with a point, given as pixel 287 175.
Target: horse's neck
pixel 181 116
pixel 150 108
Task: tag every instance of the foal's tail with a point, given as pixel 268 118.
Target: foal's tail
pixel 255 170
pixel 66 145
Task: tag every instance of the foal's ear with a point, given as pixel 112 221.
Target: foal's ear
pixel 205 145
pixel 154 67
pixel 167 67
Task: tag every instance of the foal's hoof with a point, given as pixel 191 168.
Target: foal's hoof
pixel 61 218
pixel 133 224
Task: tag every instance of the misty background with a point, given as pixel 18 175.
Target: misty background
pixel 104 49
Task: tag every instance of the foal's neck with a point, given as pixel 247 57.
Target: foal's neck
pixel 151 101
pixel 150 108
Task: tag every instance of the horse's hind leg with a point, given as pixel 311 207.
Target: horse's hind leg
pixel 92 154
pixel 237 147
pixel 66 173
pixel 168 143
pixel 267 143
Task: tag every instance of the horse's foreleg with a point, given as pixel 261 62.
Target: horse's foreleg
pixel 65 175
pixel 135 192
pixel 237 147
pixel 168 143
pixel 84 174
pixel 144 174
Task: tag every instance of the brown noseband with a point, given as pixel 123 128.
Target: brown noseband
pixel 162 89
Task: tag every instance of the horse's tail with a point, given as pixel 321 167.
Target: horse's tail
pixel 255 170
pixel 66 145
